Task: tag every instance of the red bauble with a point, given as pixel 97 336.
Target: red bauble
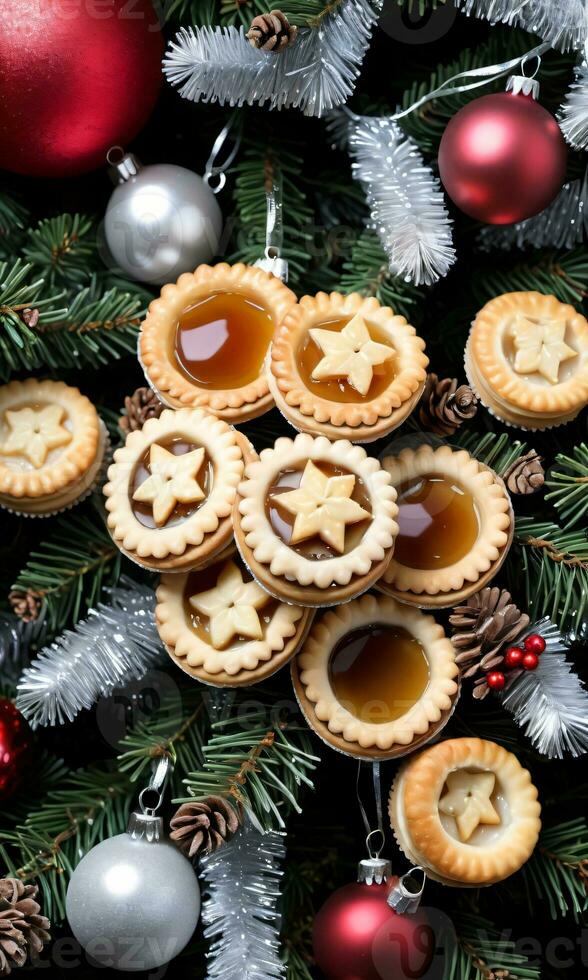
pixel 77 77
pixel 534 644
pixel 15 744
pixel 514 657
pixel 530 661
pixel 502 158
pixel 357 936
pixel 495 680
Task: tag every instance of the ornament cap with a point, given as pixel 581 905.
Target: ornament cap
pixel 274 263
pixel 145 826
pixel 405 896
pixel 521 85
pixel 122 166
pixel 373 870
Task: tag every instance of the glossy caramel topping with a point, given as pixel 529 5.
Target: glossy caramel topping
pixel 283 520
pixel 378 673
pixel 438 523
pixel 204 604
pixel 339 389
pixel 144 509
pixel 221 341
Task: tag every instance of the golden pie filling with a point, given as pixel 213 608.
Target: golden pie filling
pixel 320 511
pixel 170 482
pixel 378 673
pixel 438 523
pixel 220 342
pixel 225 607
pixel 473 808
pixel 344 360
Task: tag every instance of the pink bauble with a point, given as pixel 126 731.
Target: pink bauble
pixel 502 158
pixel 357 936
pixel 76 77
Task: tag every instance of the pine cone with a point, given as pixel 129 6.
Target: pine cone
pixel 203 826
pixel 143 404
pixel 271 32
pixel 487 623
pixel 23 931
pixel 445 405
pixel 526 474
pixel 26 604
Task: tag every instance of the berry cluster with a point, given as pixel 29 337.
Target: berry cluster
pixel 518 658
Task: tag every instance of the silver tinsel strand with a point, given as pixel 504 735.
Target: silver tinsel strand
pixel 117 643
pixel 315 74
pixel 563 224
pixel 240 907
pixel 405 199
pixel 551 703
pixel 573 115
pixel 563 23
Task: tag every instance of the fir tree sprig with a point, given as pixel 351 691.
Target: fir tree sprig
pixel 13 215
pixel 498 450
pixel 367 271
pixel 262 765
pixel 568 486
pixel 20 292
pixel 563 274
pixel 69 569
pixel 557 873
pixel 481 951
pixel 63 249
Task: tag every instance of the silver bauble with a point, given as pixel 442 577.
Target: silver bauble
pixel 133 901
pixel 161 220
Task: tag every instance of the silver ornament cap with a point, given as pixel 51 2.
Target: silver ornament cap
pixel 521 85
pixel 405 896
pixel 373 870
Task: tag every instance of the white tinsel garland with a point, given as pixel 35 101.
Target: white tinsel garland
pixel 573 115
pixel 117 643
pixel 240 906
pixel 405 199
pixel 315 74
pixel 563 23
pixel 551 703
pixel 563 224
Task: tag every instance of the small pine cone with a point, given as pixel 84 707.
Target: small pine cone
pixel 23 931
pixel 203 826
pixel 26 604
pixel 526 474
pixel 271 32
pixel 487 623
pixel 143 404
pixel 445 405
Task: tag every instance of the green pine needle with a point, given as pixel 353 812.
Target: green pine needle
pixel 367 272
pixel 62 249
pixel 568 484
pixel 556 873
pixel 496 450
pixel 481 950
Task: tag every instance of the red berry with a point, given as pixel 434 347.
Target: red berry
pixel 495 680
pixel 530 661
pixel 514 657
pixel 534 644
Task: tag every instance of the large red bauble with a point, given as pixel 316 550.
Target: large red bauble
pixel 502 158
pixel 357 936
pixel 15 745
pixel 76 77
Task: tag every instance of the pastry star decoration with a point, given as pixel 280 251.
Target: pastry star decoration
pixel 349 353
pixel 468 800
pixel 172 481
pixel 322 506
pixel 540 347
pixel 231 607
pixel 34 431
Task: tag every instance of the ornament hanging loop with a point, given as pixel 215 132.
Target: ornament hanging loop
pixel 274 229
pixel 151 798
pixel 217 171
pixel 374 852
pixel 406 894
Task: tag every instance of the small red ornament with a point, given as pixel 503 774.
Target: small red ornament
pixel 358 936
pixel 530 661
pixel 77 77
pixel 495 680
pixel 15 745
pixel 514 657
pixel 502 158
pixel 534 644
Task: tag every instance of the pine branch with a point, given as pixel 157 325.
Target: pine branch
pixel 554 567
pixel 367 272
pixel 62 249
pixel 494 449
pixel 481 951
pixel 557 873
pixel 564 274
pixel 568 481
pixel 262 766
pixel 19 293
pixel 91 805
pixel 13 215
pixel 70 569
